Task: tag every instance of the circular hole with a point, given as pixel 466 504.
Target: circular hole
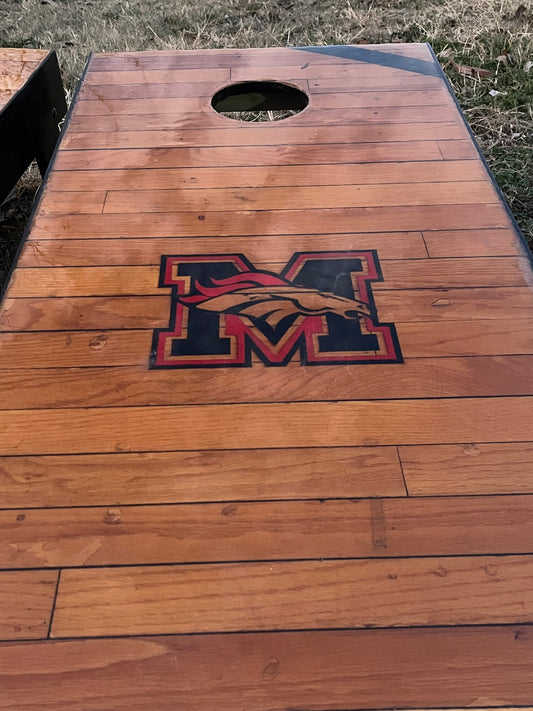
pixel 259 101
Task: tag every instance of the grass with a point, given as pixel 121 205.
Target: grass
pixel 468 35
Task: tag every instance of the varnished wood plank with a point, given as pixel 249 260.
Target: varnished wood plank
pixel 260 177
pixel 304 67
pixel 76 203
pixel 191 74
pixel 263 136
pixel 356 78
pixel 332 85
pixel 117 312
pixel 135 385
pixel 455 272
pixel 316 197
pixel 454 304
pixel 74 349
pixel 448 338
pixel 294 595
pixel 424 339
pixel 180 477
pixel 192 92
pixel 194 95
pixel 411 98
pixel 85 281
pixel 204 533
pixel 137 116
pixel 281 222
pixel 167 114
pixel 221 156
pixel 322 671
pixel 471 243
pixel 458 469
pixel 122 429
pixel 458 150
pixel 91 252
pixel 265 56
pixel 26 600
pixel 144 280
pixel 84 313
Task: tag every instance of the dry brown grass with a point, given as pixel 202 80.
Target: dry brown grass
pixel 491 34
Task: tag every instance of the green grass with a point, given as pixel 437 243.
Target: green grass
pixel 494 35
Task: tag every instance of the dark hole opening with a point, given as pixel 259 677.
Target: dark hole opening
pixel 259 101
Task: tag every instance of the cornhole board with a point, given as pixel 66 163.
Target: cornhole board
pixel 266 419
pixel 32 103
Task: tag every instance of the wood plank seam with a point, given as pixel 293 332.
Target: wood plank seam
pixel 54 602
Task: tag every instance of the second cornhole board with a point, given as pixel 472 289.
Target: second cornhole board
pixel 32 104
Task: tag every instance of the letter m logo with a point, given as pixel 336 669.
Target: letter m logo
pixel 318 308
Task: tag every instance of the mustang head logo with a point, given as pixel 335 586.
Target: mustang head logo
pixel 318 310
pixel 265 297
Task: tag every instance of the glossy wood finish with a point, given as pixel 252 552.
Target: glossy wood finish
pixel 202 533
pixel 26 602
pixel 250 537
pixel 423 668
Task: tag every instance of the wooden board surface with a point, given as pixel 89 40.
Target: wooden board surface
pixel 267 396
